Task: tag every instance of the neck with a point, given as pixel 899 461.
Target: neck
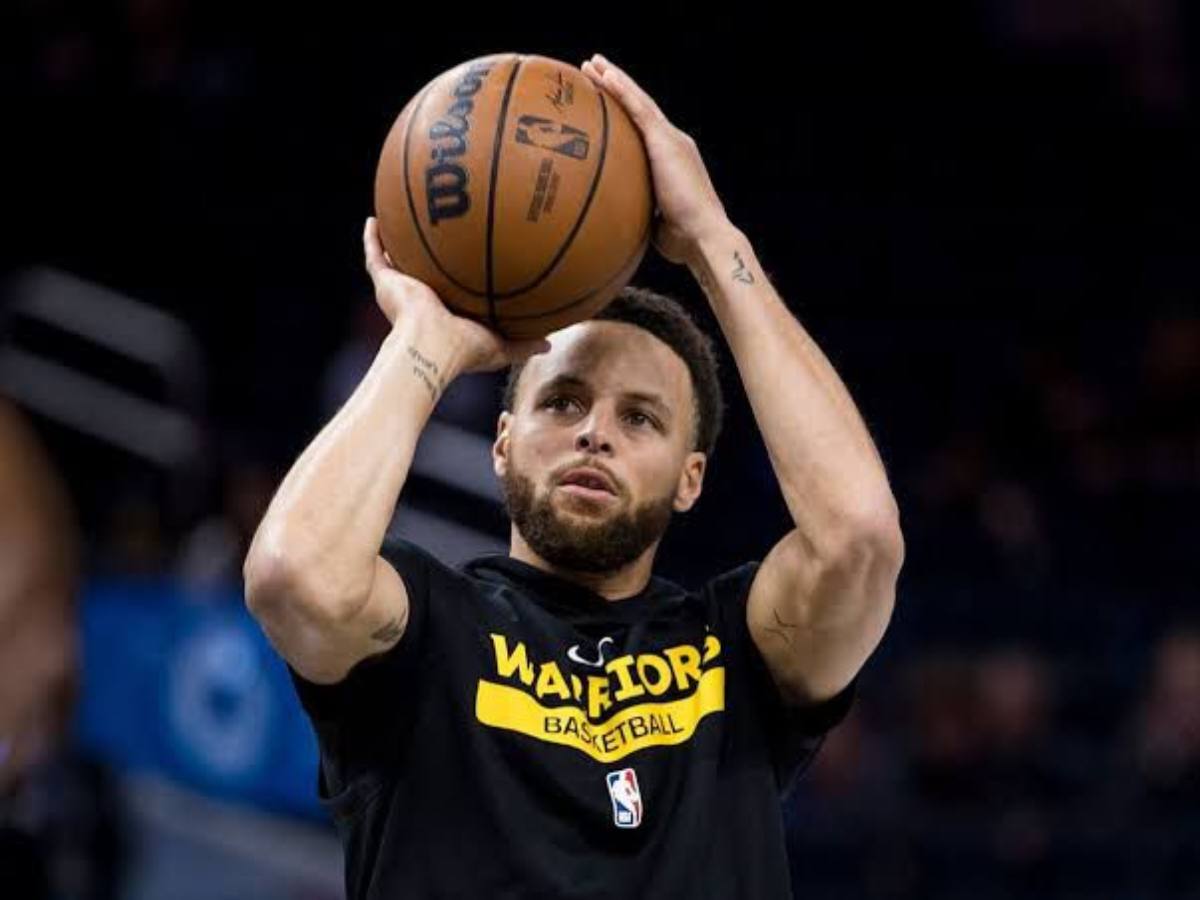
pixel 627 581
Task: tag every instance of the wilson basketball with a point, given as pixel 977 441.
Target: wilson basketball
pixel 518 191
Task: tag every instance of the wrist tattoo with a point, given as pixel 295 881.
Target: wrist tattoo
pixel 426 369
pixel 389 633
pixel 741 273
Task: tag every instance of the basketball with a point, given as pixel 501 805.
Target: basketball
pixel 518 191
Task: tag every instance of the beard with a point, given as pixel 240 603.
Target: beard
pixel 594 547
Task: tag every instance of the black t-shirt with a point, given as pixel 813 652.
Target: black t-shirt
pixel 528 738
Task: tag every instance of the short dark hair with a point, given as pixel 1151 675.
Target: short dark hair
pixel 667 320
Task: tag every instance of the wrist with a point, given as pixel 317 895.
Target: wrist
pixel 715 252
pixel 711 240
pixel 429 348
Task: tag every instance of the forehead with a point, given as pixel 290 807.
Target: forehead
pixel 612 357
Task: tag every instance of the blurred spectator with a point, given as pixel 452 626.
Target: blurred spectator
pixel 37 586
pixel 1167 737
pixel 212 553
pixel 844 813
pixel 1161 800
pixel 945 742
pixel 58 834
pixel 1024 785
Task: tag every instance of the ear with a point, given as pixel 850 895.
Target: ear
pixel 691 481
pixel 500 447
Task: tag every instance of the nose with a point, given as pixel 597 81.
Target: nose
pixel 592 439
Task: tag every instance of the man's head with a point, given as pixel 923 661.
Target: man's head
pixel 608 433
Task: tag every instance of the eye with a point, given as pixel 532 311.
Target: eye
pixel 559 403
pixel 639 419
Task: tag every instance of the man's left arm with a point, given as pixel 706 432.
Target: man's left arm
pixel 823 597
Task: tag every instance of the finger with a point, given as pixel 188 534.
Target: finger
pixel 641 105
pixel 593 75
pixel 373 253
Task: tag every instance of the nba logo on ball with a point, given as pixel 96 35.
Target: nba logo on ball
pixel 626 798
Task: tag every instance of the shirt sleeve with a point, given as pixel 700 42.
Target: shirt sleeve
pixel 361 722
pixel 792 733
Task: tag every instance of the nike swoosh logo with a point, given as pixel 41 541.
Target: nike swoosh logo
pixel 597 663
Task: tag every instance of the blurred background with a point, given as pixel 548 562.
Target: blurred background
pixel 985 213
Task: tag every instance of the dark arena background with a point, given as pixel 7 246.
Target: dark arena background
pixel 985 213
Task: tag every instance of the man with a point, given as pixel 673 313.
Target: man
pixel 559 722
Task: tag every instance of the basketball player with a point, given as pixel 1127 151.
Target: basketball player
pixel 559 722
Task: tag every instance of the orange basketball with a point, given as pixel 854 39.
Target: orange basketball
pixel 518 191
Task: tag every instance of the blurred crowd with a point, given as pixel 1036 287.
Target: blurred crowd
pixel 1001 772
pixel 1029 365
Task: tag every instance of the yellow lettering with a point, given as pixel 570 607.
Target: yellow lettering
pixel 516 661
pixel 551 681
pixel 655 723
pixel 712 648
pixel 598 700
pixel 685 661
pixel 662 682
pixel 628 688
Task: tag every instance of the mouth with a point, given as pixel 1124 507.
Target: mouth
pixel 588 482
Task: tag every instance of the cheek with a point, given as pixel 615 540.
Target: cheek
pixel 660 477
pixel 534 451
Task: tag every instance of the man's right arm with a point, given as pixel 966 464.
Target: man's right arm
pixel 314 577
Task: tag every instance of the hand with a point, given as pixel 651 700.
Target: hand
pixel 473 347
pixel 687 201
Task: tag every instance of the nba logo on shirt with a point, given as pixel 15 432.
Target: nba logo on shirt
pixel 626 798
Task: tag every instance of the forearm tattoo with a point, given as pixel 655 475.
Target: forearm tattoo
pixel 389 633
pixel 741 273
pixel 426 369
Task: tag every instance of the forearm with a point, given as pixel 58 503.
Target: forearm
pixel 327 521
pixel 828 469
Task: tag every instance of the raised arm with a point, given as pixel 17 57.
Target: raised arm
pixel 314 577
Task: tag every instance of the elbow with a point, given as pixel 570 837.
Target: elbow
pixel 871 537
pixel 279 577
pixel 267 573
pixel 884 534
pixel 867 568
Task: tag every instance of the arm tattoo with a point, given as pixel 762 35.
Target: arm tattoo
pixel 426 369
pixel 741 273
pixel 389 633
pixel 781 629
